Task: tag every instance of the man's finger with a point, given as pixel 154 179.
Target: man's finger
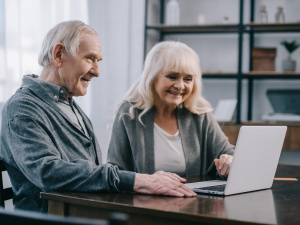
pixel 174 176
pixel 181 188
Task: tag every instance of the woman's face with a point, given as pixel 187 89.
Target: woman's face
pixel 172 88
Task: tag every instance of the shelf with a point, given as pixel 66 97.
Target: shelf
pixel 262 123
pixel 225 28
pixel 252 75
pixel 189 29
pixel 206 75
pixel 271 75
pixel 273 27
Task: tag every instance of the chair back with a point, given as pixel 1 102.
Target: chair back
pixel 5 193
pixel 33 218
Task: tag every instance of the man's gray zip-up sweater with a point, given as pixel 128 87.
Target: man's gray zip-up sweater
pixel 44 150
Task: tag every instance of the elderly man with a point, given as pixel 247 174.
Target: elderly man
pixel 47 141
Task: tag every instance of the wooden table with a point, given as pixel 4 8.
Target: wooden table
pixel 279 205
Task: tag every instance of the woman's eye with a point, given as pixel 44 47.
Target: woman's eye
pixel 172 77
pixel 188 79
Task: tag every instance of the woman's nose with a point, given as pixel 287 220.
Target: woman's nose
pixel 179 84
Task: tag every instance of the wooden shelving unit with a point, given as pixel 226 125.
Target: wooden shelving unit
pixel 191 29
pixel 240 29
pixel 272 27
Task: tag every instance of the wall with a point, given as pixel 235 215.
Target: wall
pixel 120 25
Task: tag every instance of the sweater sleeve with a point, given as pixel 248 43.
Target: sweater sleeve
pixel 119 150
pixel 30 142
pixel 216 139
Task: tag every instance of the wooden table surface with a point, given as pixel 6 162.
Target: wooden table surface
pixel 278 205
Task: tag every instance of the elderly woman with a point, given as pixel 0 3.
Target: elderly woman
pixel 164 123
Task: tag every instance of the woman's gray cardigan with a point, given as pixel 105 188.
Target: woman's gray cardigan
pixel 132 144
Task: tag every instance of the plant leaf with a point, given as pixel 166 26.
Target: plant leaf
pixel 290 46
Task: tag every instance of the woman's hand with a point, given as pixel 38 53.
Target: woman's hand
pixel 223 164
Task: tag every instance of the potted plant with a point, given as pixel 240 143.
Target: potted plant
pixel 289 64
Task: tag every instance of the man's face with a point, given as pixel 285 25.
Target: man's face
pixel 77 71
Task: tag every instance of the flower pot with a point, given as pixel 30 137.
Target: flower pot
pixel 288 65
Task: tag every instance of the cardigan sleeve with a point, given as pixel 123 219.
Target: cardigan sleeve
pixel 120 149
pixel 217 142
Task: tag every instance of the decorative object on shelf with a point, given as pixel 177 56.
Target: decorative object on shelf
pixel 263 14
pixel 201 19
pixel 173 12
pixel 279 16
pixel 225 109
pixel 225 20
pixel 263 59
pixel 289 64
pixel 285 103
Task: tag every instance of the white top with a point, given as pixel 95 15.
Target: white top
pixel 168 152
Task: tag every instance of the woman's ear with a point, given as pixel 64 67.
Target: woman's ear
pixel 57 54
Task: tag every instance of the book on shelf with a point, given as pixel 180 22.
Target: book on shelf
pixel 225 109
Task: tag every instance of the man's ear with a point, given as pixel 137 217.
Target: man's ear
pixel 58 52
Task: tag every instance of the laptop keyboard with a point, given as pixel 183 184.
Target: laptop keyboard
pixel 220 188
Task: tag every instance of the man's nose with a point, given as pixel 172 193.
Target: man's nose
pixel 95 69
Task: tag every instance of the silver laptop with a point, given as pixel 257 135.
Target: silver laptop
pixel 244 206
pixel 254 163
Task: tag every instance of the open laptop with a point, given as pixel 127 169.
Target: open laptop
pixel 285 103
pixel 254 163
pixel 244 206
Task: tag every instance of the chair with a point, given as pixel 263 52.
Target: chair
pixel 33 218
pixel 5 193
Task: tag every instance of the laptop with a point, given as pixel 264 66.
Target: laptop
pixel 285 103
pixel 254 163
pixel 244 206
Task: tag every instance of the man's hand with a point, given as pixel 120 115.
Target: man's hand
pixel 223 164
pixel 162 183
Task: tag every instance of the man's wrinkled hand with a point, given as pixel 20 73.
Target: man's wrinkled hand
pixel 162 183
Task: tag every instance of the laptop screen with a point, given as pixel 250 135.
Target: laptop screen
pixel 285 101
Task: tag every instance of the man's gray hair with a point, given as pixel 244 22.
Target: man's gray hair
pixel 68 33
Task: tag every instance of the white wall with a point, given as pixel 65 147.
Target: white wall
pixel 120 25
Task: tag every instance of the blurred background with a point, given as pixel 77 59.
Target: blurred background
pixel 121 28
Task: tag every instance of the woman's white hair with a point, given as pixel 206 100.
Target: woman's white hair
pixel 164 57
pixel 68 33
